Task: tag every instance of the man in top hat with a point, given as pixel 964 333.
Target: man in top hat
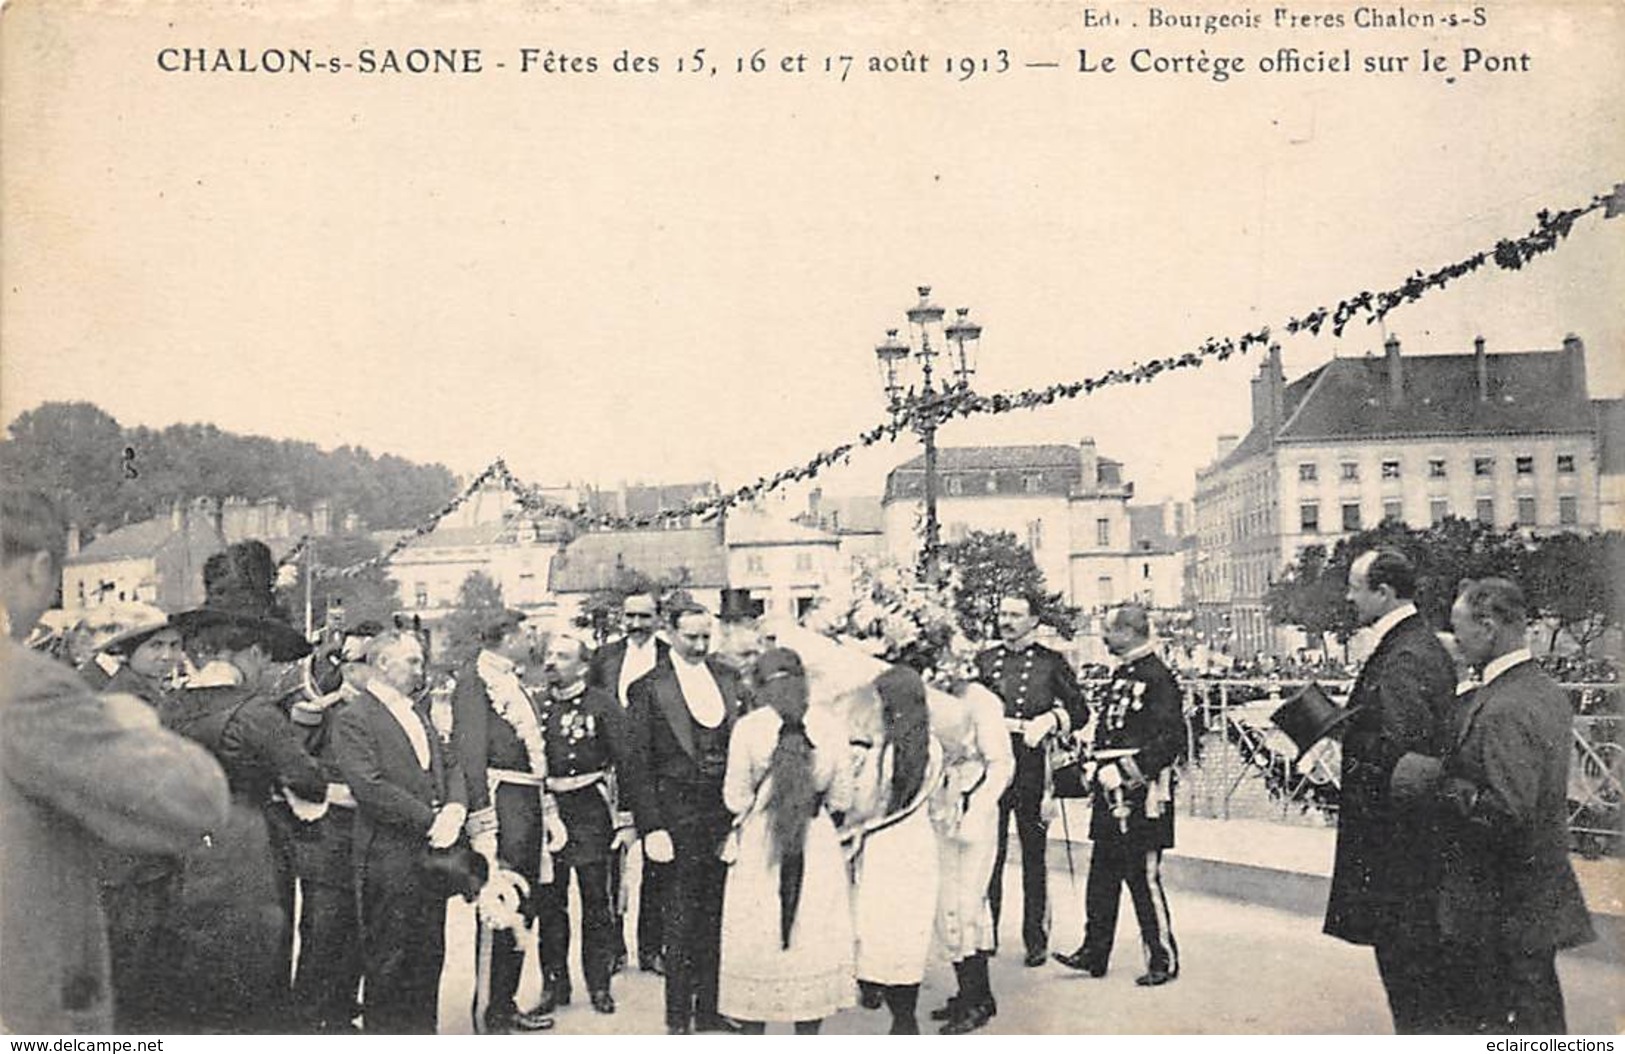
pixel 682 717
pixel 1041 701
pixel 1139 734
pixel 1384 890
pixel 584 731
pixel 409 792
pixel 78 772
pixel 615 668
pixel 1509 899
pixel 513 821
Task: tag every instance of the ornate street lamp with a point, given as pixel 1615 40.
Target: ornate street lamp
pixel 919 405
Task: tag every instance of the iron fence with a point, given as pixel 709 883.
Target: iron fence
pixel 1238 764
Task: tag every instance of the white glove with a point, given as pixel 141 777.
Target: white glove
pixel 657 847
pixel 485 844
pixel 499 900
pixel 624 836
pixel 556 834
pixel 1110 776
pixel 1039 727
pixel 448 825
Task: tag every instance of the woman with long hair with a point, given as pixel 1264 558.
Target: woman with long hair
pixel 895 849
pixel 786 916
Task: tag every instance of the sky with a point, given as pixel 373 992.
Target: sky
pixel 658 277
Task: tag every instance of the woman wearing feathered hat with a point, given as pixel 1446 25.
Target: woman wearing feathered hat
pixel 228 972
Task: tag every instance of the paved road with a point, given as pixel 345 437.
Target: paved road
pixel 1245 969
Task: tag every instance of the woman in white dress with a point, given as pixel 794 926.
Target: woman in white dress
pixel 978 764
pixel 895 861
pixel 786 916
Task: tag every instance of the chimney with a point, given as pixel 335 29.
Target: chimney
pixel 1396 371
pixel 1227 446
pixel 1269 393
pixel 73 539
pixel 1574 350
pixel 814 498
pixel 1481 369
pixel 177 516
pixel 1089 464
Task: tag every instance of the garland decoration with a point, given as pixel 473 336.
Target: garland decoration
pixel 1511 254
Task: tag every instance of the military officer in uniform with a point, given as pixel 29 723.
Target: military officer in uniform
pixel 1041 701
pixel 1139 734
pixel 512 819
pixel 585 733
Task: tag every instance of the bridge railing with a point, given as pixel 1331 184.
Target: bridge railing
pixel 1238 764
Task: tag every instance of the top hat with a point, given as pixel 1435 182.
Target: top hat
pixel 238 586
pixel 1309 716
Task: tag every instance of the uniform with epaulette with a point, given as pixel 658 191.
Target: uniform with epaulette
pixel 1039 692
pixel 584 730
pixel 1139 735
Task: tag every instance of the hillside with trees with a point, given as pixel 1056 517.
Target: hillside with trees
pixel 107 475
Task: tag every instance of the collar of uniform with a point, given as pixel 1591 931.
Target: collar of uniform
pixel 490 663
pixel 569 691
pixel 1385 625
pixel 1135 654
pixel 1502 663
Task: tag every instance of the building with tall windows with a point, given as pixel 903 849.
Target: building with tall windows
pixel 1067 504
pixel 1509 439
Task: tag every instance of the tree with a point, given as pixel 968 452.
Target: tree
pixel 1312 593
pixel 1573 582
pixel 369 595
pixel 478 598
pixel 989 566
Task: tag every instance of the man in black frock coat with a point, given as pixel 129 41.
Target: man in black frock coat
pixel 682 716
pixel 1385 875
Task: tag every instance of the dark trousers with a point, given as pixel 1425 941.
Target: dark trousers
pixel 1114 863
pixel 694 922
pixel 597 923
pixel 1527 998
pixel 652 895
pixel 519 849
pixel 136 911
pixel 404 939
pixel 1415 975
pixel 329 970
pixel 1025 800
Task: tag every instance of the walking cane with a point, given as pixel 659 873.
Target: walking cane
pixel 483 939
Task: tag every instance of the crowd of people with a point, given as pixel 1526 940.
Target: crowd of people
pixel 209 792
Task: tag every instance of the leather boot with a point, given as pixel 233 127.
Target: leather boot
pixel 949 1010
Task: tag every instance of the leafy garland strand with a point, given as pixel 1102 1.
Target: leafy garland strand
pixel 1509 254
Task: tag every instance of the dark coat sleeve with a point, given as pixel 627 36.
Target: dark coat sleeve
pixel 471 712
pixel 638 779
pixel 1408 689
pixel 1064 683
pixel 598 668
pixel 105 761
pixel 1166 720
pixel 385 803
pixel 262 728
pixel 614 726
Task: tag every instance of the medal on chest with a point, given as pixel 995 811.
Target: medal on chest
pixel 1124 697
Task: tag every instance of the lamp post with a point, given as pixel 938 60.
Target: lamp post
pixel 918 404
